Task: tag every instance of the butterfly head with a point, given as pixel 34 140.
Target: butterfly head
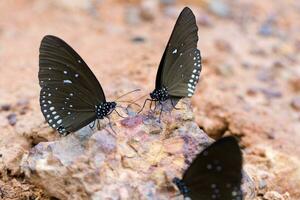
pixel 181 186
pixel 159 94
pixel 104 109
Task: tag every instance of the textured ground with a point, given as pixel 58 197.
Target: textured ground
pixel 250 84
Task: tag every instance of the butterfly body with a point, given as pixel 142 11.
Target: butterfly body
pixel 104 109
pixel 160 94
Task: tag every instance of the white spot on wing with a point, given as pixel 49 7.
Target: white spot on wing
pixel 67 81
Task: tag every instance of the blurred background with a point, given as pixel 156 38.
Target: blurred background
pixel 250 83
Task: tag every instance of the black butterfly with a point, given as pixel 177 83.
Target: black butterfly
pixel 215 174
pixel 71 96
pixel 180 66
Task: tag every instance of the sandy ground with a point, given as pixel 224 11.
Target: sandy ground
pixel 250 83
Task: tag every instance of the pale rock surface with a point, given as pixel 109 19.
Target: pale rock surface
pixel 138 161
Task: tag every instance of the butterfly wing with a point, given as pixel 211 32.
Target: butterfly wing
pixel 216 173
pixel 180 66
pixel 70 90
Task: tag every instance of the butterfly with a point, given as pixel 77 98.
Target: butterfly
pixel 71 96
pixel 215 174
pixel 180 66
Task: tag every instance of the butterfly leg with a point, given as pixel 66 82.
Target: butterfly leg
pixel 174 106
pixel 91 127
pixel 161 110
pixel 110 125
pixel 144 105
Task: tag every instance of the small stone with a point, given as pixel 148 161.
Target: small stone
pixel 148 9
pixel 5 107
pixel 131 122
pixel 267 28
pixel 295 84
pixel 219 8
pixel 12 119
pixel 138 39
pixel 252 91
pixel 262 184
pixel 23 102
pixel 273 195
pixel 271 93
pixel 223 45
pixel 265 75
pixel 295 103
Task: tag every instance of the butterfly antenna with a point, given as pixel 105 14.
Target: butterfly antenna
pixel 127 94
pixel 119 113
pixel 130 103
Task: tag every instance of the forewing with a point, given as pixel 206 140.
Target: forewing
pixel 184 37
pixel 216 173
pixel 58 62
pixel 70 91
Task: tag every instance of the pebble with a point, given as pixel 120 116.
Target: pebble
pixel 271 93
pixel 265 75
pixel 131 122
pixel 295 103
pixel 262 184
pixel 12 119
pixel 5 107
pixel 138 39
pixel 148 10
pixel 295 84
pixel 219 8
pixel 267 28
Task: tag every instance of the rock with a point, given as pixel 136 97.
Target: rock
pixel 12 119
pixel 273 195
pixel 148 9
pixel 295 103
pixel 134 163
pixel 12 148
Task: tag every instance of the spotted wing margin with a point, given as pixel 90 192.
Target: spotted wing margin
pixel 216 173
pixel 58 62
pixel 64 110
pixel 184 78
pixel 184 37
